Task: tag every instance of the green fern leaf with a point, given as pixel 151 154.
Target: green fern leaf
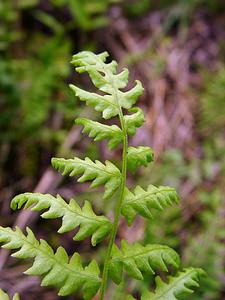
pixel 108 174
pixel 177 286
pixel 134 121
pixel 68 275
pixel 4 296
pixel 56 268
pixel 139 156
pixel 100 131
pixel 136 259
pixel 142 202
pixel 71 213
pixel 105 78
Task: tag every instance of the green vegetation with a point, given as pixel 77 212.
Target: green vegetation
pixel 134 258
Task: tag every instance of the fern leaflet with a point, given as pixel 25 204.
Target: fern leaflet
pixel 142 202
pixel 133 121
pixel 177 286
pixel 100 131
pixel 139 156
pixel 136 259
pixel 49 264
pixel 108 174
pixel 71 213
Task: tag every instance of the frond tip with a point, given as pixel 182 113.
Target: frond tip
pixel 108 175
pixel 105 77
pixel 136 259
pixel 71 213
pixel 177 286
pixel 56 268
pixel 142 202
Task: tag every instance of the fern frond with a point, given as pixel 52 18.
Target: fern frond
pixel 177 286
pixel 100 131
pixel 107 175
pixel 105 78
pixel 142 202
pixel 72 215
pixel 134 121
pixel 139 156
pixel 4 296
pixel 68 275
pixel 136 259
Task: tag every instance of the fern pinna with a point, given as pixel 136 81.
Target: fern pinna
pixel 134 260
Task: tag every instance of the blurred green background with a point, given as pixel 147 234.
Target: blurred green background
pixel 177 49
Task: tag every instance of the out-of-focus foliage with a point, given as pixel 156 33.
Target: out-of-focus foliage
pixel 210 239
pixel 180 8
pixel 200 225
pixel 213 108
pixel 86 14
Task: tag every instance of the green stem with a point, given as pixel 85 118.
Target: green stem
pixel 117 210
